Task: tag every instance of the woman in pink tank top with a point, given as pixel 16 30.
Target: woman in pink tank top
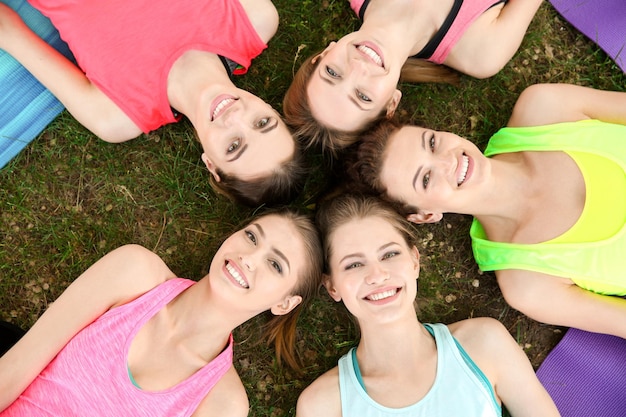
pixel 128 337
pixel 340 92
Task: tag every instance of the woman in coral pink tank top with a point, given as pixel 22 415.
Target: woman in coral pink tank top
pixel 129 338
pixel 143 63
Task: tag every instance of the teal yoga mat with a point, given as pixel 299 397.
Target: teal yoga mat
pixel 26 106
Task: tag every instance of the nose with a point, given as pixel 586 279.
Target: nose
pixel 232 116
pixel 446 162
pixel 248 261
pixel 358 67
pixel 376 275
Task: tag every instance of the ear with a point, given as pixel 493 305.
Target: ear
pixel 392 105
pixel 330 46
pixel 289 303
pixel 424 217
pixel 211 167
pixel 415 256
pixel 330 287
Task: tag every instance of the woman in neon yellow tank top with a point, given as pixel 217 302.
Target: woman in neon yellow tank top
pixel 548 197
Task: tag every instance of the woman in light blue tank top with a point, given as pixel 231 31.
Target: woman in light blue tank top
pixel 401 367
pixel 548 197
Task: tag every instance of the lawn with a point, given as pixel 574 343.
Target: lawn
pixel 70 198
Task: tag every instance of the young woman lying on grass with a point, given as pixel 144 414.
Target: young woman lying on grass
pixel 130 338
pixel 400 366
pixel 143 63
pixel 341 91
pixel 548 197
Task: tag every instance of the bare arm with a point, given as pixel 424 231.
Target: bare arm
pixel 554 300
pixel 117 278
pixel 322 397
pixel 544 104
pixel 506 366
pixel 492 40
pixel 89 105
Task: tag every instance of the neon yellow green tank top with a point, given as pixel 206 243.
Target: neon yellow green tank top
pixel 593 252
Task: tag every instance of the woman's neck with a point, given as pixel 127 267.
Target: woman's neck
pixel 195 78
pixel 405 25
pixel 406 338
pixel 194 319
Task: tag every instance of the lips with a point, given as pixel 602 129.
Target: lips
pixel 220 104
pixel 236 275
pixel 383 295
pixel 463 170
pixel 372 52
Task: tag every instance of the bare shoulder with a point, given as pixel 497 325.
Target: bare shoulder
pixel 480 335
pixel 133 267
pixel 322 397
pixel 263 16
pixel 227 398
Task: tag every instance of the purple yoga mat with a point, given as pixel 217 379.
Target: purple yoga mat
pixel 602 21
pixel 586 375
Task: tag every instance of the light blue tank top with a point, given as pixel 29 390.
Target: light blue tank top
pixel 460 387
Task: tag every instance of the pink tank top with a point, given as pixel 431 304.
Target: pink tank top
pixel 462 15
pixel 127 47
pixel 89 377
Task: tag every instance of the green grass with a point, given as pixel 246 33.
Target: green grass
pixel 69 198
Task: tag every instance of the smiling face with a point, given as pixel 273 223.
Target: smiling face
pixel 351 85
pixel 244 137
pixel 437 172
pixel 372 269
pixel 258 267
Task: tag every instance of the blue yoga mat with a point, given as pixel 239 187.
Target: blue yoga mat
pixel 602 21
pixel 585 374
pixel 26 106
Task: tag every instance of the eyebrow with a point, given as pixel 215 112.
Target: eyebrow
pixel 239 153
pixel 419 170
pixel 278 252
pixel 361 255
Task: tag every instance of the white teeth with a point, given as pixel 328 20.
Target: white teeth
pixel 463 173
pixel 382 295
pixel 233 272
pixel 221 105
pixel 371 53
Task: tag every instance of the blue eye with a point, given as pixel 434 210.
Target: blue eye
pixel 390 254
pixel 363 97
pixel 331 72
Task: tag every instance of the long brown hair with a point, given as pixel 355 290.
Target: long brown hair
pixel 364 162
pixel 281 330
pixel 280 187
